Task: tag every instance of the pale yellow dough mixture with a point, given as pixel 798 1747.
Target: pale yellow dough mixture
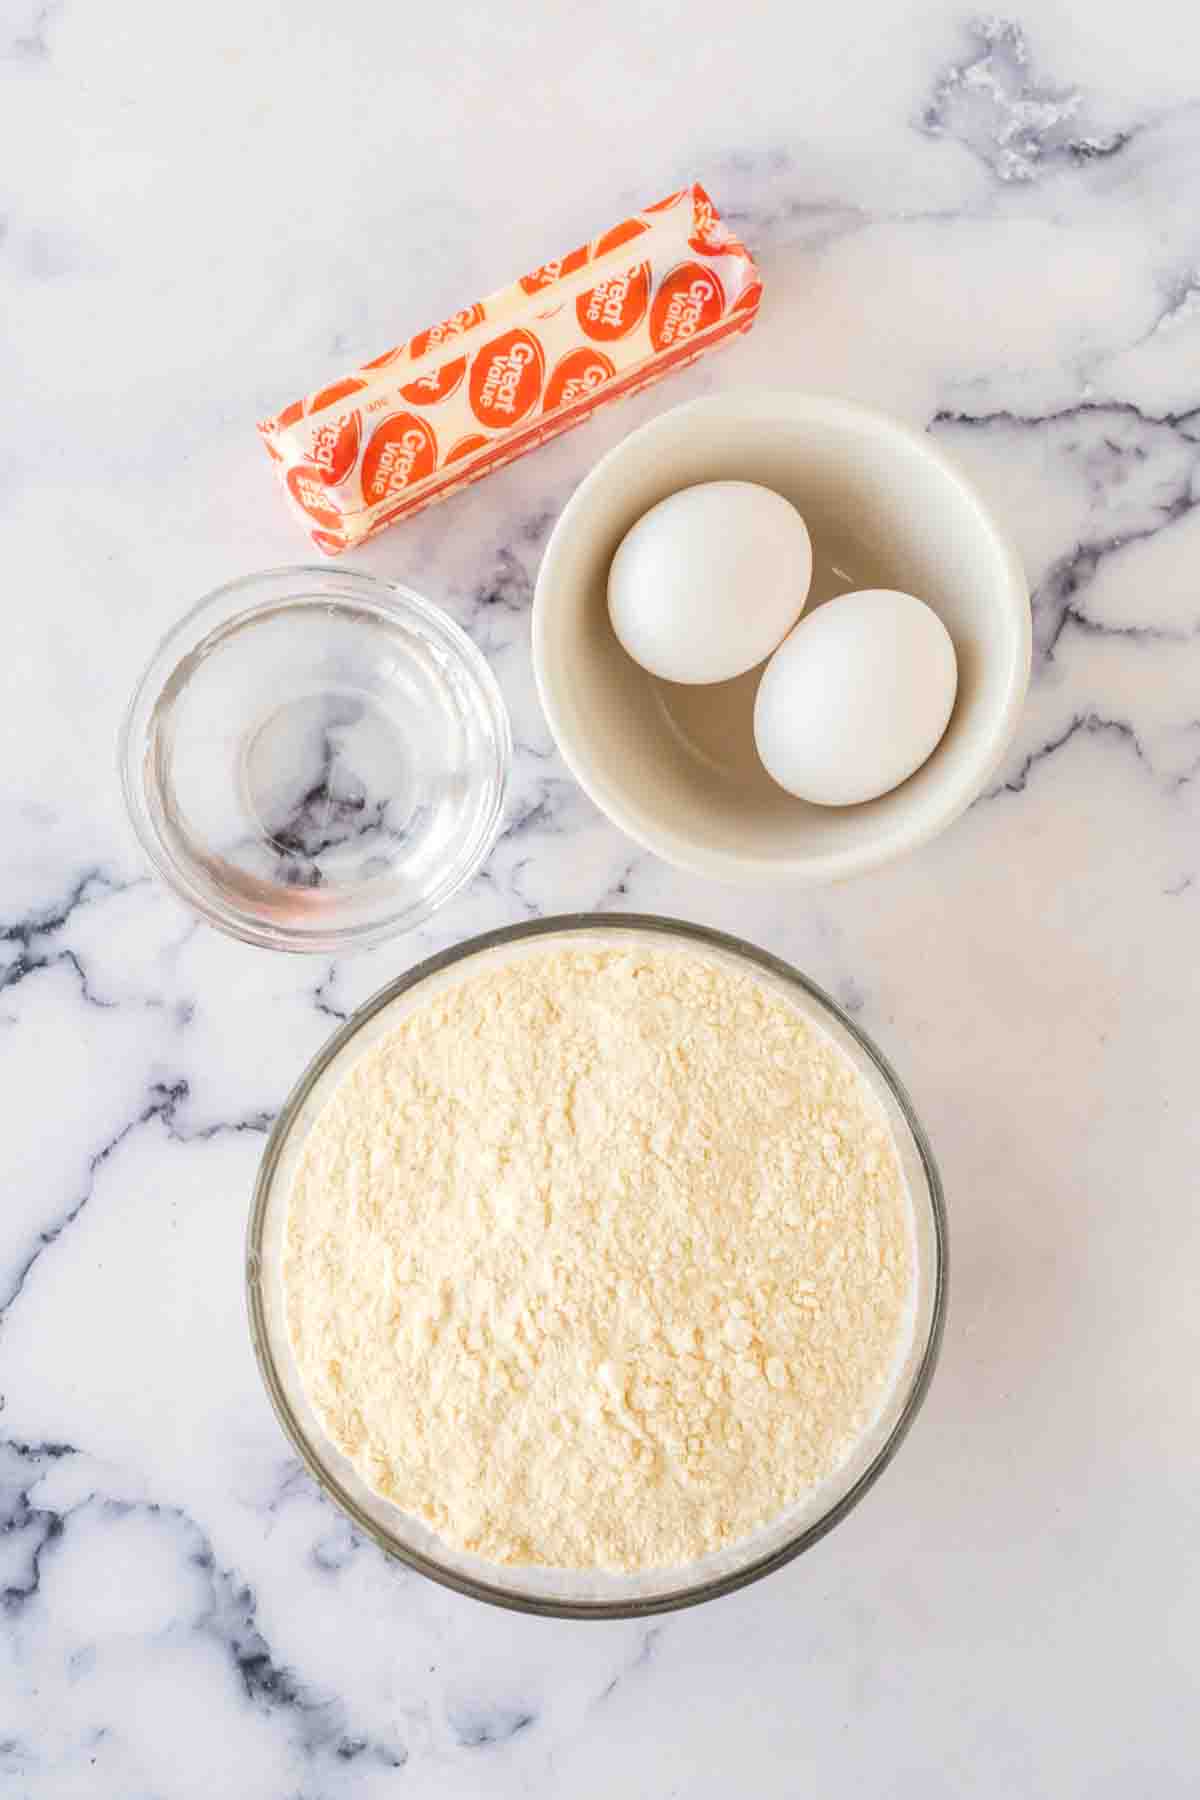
pixel 600 1260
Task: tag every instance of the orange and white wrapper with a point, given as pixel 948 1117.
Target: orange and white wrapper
pixel 500 377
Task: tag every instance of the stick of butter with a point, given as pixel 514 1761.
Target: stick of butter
pixel 500 377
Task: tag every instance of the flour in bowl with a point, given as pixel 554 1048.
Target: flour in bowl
pixel 601 1259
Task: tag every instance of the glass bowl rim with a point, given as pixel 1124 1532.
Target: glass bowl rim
pixel 221 608
pixel 513 1599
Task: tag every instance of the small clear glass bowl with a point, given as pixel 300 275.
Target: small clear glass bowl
pixel 316 759
pixel 582 1593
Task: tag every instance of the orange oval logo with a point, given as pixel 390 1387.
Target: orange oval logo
pixel 381 362
pixel 620 234
pixel 330 542
pixel 506 378
pixel 335 446
pixel 306 485
pixel 580 372
pixel 402 451
pixel 466 447
pixel 289 415
pixel 710 236
pixel 449 329
pixel 614 308
pixel 331 395
pixel 670 201
pixel 439 384
pixel 689 299
pixel 719 242
pixel 554 271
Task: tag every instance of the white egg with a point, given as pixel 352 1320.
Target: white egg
pixel 710 580
pixel 856 698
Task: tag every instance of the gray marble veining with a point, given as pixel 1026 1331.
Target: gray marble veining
pixel 987 226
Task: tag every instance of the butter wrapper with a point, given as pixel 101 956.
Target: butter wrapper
pixel 504 375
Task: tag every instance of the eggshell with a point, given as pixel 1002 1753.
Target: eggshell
pixel 856 698
pixel 710 580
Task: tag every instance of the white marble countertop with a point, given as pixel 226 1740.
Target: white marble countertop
pixel 990 229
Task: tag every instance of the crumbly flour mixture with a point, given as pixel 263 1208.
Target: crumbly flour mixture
pixel 600 1260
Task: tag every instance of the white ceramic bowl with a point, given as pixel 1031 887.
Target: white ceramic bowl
pixel 676 767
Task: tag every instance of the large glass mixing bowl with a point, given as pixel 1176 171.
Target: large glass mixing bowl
pixel 573 1593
